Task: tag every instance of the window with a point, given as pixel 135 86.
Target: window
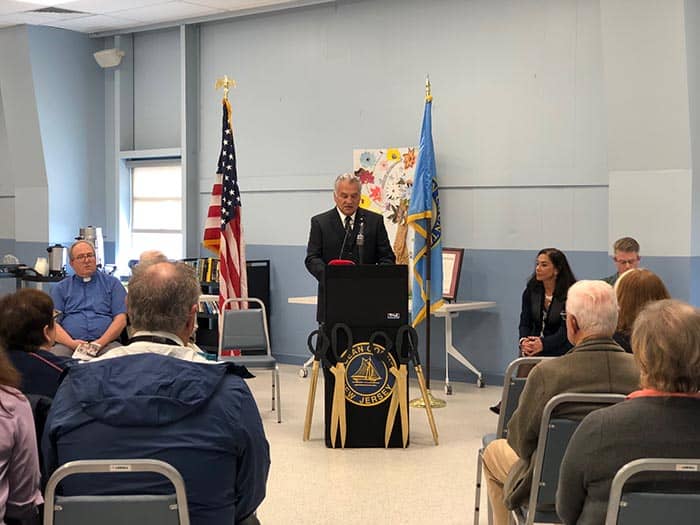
pixel 156 209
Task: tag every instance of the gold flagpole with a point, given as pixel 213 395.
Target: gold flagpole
pixel 225 83
pixel 427 400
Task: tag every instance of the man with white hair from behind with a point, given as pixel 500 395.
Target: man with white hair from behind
pixel 596 364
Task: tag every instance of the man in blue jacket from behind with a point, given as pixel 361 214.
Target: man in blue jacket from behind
pixel 157 403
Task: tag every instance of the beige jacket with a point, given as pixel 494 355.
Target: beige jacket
pixel 594 366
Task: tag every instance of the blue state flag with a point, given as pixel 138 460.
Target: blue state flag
pixel 424 216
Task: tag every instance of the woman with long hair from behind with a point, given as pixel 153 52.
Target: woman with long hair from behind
pixel 634 289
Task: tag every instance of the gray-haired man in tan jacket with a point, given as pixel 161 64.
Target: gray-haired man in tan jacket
pixel 596 364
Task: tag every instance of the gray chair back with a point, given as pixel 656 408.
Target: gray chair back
pixel 245 333
pixel 649 506
pixel 245 340
pixel 512 388
pixel 554 436
pixel 168 509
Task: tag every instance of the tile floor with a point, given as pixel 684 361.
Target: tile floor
pixel 423 484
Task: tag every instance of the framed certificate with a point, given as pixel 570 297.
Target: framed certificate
pixel 451 269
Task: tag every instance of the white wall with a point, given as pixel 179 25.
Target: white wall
pixel 518 103
pixel 7 185
pixel 692 29
pixel 23 138
pixel 540 122
pixel 157 90
pixel 69 90
pixel 647 105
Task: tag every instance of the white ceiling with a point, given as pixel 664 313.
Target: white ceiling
pixel 93 16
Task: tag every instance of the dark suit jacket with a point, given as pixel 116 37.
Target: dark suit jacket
pixel 554 342
pixel 597 366
pixel 326 240
pixel 41 370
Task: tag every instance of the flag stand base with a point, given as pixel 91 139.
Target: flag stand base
pixel 434 402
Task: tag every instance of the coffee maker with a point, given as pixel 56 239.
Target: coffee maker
pixel 93 234
pixel 57 260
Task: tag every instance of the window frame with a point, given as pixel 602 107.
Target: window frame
pixel 130 165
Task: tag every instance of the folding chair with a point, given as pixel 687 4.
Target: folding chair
pixel 245 340
pixel 167 509
pixel 512 388
pixel 649 506
pixel 554 436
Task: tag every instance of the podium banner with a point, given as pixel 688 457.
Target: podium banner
pixel 373 302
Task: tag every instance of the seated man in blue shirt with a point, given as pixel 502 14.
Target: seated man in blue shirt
pixel 93 306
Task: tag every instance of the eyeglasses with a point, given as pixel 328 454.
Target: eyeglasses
pixel 563 316
pixel 625 262
pixel 84 256
pixel 56 314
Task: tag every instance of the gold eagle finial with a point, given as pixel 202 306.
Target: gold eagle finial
pixel 225 83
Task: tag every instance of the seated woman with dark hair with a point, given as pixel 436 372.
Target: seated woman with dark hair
pixel 662 420
pixel 27 331
pixel 634 289
pixel 20 494
pixel 542 328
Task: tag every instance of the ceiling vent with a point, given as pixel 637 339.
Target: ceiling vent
pixel 58 11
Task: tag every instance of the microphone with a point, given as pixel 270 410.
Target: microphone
pixel 361 239
pixel 340 261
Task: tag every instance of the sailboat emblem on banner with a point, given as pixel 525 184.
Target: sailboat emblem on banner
pixel 366 374
pixel 368 382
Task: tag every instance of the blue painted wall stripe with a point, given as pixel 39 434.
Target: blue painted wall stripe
pixel 487 338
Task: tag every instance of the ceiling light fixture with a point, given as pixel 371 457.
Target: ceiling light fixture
pixel 109 57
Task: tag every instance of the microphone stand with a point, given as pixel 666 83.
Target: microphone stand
pixel 361 241
pixel 345 240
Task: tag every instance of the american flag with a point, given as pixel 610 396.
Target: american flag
pixel 223 231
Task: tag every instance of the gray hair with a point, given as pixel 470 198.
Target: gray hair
pixel 76 243
pixel 594 305
pixel 347 177
pixel 666 345
pixel 161 296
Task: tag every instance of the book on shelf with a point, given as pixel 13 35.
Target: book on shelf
pixel 206 268
pixel 208 306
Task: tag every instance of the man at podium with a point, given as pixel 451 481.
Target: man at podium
pixel 346 233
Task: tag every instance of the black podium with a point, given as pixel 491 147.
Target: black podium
pixel 367 299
